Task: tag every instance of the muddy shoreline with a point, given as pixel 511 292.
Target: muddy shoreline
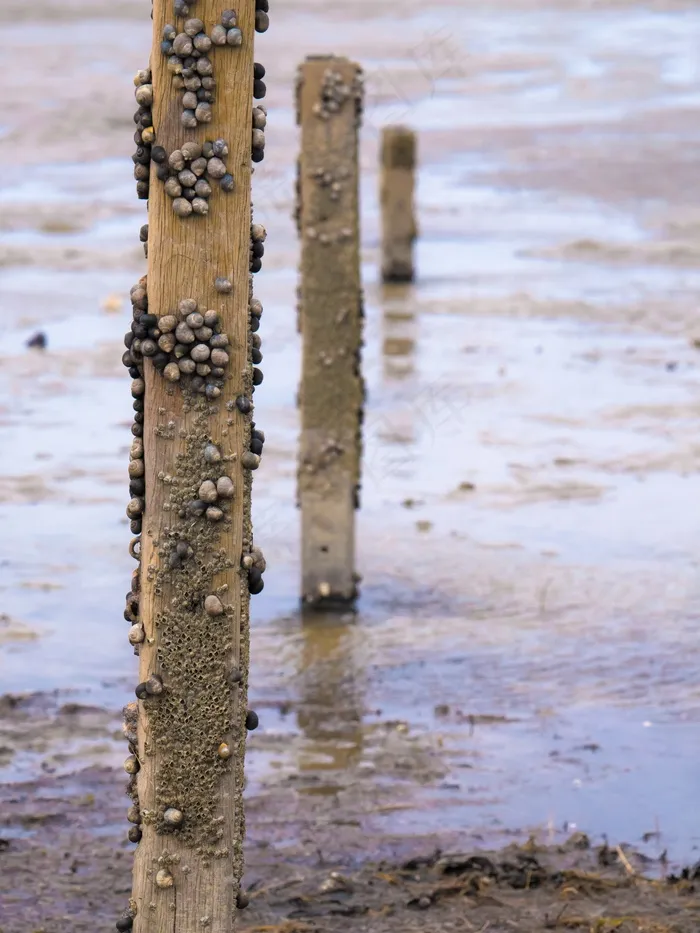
pixel 64 860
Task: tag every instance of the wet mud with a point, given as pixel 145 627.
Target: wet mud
pixel 523 659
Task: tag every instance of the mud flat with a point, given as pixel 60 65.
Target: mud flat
pixel 524 656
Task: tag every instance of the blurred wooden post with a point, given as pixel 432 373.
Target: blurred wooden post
pixel 190 354
pixel 329 106
pixel 398 160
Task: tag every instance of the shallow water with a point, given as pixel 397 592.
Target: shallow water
pixel 524 655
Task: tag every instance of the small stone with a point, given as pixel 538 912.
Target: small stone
pixel 187 365
pixel 213 606
pixel 191 151
pixel 224 751
pixel 203 112
pixel 144 95
pixel 207 491
pixel 135 507
pixel 182 207
pixel 167 342
pixel 202 42
pixel 176 160
pixel 223 285
pixel 194 320
pixel 182 44
pixel 184 333
pixel 173 816
pixel 187 178
pixel 234 37
pixel 154 685
pixel 172 372
pixel 202 188
pixel 200 354
pixel 196 507
pixel 214 513
pixel 225 487
pixel 131 765
pixel 125 922
pixel 219 357
pixel 193 26
pixel 164 879
pixel 188 119
pixel 216 168
pixel 187 306
pixel 249 460
pixel 218 35
pixel 175 65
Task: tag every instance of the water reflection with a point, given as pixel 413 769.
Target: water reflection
pixel 398 332
pixel 330 705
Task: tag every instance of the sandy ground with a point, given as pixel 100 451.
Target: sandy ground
pixel 524 657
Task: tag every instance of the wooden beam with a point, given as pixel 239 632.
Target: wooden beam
pixel 329 105
pixel 398 162
pixel 191 350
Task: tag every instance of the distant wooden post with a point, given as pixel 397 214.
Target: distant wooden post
pixel 399 230
pixel 190 352
pixel 329 106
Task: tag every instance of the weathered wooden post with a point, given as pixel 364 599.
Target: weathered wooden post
pixel 329 109
pixel 399 230
pixel 190 353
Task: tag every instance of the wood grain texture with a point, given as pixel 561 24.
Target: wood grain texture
pixel 329 102
pixel 185 257
pixel 398 159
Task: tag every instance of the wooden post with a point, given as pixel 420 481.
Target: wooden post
pixel 190 352
pixel 398 158
pixel 329 106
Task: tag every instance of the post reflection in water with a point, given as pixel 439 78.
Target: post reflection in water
pixel 331 703
pixel 398 332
